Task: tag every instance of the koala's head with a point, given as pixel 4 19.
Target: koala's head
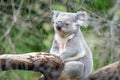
pixel 66 23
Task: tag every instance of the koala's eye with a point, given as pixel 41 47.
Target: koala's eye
pixel 66 23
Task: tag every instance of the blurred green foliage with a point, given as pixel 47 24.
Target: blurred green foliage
pixel 25 26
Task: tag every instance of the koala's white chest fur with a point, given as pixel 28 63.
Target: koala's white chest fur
pixel 62 41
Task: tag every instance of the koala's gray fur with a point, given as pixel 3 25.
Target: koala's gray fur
pixel 70 45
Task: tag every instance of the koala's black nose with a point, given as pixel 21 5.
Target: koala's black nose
pixel 59 25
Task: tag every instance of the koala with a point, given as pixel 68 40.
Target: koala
pixel 70 46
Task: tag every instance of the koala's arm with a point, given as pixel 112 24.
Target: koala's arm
pixel 54 49
pixel 73 51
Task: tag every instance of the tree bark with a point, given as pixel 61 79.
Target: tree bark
pixel 51 66
pixel 109 72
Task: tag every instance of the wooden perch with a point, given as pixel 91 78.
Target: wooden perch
pixel 109 72
pixel 51 66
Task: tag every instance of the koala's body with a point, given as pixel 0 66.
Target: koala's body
pixel 70 45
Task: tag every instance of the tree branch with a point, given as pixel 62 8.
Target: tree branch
pixel 51 66
pixel 109 72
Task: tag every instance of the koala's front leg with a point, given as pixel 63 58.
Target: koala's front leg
pixel 69 53
pixel 55 48
pixel 73 51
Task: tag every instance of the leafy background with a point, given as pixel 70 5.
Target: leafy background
pixel 25 26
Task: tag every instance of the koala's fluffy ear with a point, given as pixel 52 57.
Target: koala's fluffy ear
pixel 82 18
pixel 55 15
